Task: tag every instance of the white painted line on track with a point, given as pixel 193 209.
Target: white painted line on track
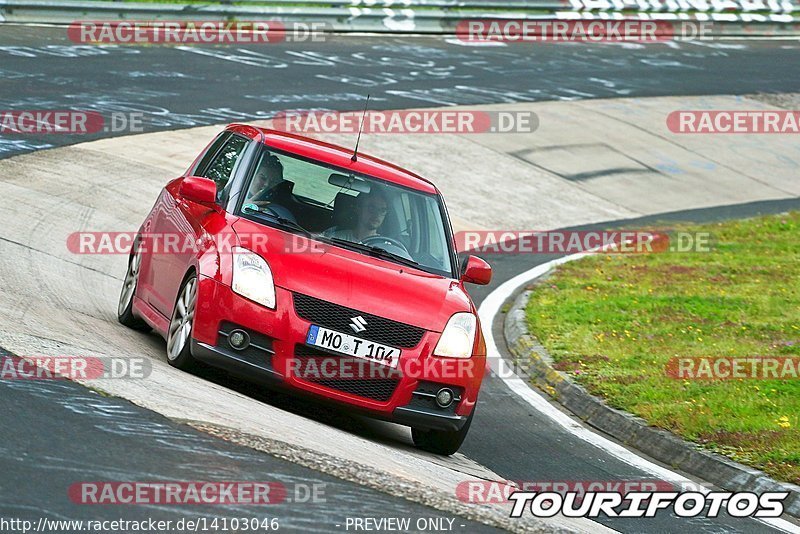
pixel 487 312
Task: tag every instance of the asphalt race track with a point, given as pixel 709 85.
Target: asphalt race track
pixel 70 429
pixel 181 87
pixel 184 87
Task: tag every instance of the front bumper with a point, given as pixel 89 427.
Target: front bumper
pixel 278 356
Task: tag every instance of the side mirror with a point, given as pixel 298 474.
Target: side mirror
pixel 198 189
pixel 476 271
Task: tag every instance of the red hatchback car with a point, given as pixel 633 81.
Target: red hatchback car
pixel 294 262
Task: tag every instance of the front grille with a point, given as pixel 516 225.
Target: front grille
pixel 336 317
pixel 380 390
pixel 363 379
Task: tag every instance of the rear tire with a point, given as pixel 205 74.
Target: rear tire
pixel 125 306
pixel 179 335
pixel 444 442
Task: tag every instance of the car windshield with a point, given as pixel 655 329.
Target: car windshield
pixel 349 210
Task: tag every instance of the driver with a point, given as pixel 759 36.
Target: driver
pixel 269 174
pixel 371 210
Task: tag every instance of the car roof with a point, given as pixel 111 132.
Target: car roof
pixel 335 155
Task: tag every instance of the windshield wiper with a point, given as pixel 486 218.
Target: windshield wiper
pixel 374 251
pixel 281 220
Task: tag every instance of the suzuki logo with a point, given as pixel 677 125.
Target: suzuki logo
pixel 358 324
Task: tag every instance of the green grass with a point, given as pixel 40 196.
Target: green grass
pixel 614 321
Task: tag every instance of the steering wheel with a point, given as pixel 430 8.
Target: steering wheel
pixel 375 240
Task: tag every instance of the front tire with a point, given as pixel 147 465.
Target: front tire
pixel 444 442
pixel 179 335
pixel 125 306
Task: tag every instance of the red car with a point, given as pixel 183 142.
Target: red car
pixel 298 263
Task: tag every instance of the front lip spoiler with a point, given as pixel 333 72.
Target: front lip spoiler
pixel 423 419
pixel 404 415
pixel 232 362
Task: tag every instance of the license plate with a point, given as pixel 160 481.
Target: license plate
pixel 353 346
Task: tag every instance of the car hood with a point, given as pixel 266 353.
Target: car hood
pixel 349 278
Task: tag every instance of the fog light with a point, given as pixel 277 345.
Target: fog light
pixel 238 339
pixel 444 397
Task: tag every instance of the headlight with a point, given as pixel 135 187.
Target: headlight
pixel 458 337
pixel 252 277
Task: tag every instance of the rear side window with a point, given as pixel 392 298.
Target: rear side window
pixel 221 168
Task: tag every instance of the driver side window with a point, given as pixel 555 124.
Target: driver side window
pixel 221 167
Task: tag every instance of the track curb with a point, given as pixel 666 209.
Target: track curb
pixel 532 363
